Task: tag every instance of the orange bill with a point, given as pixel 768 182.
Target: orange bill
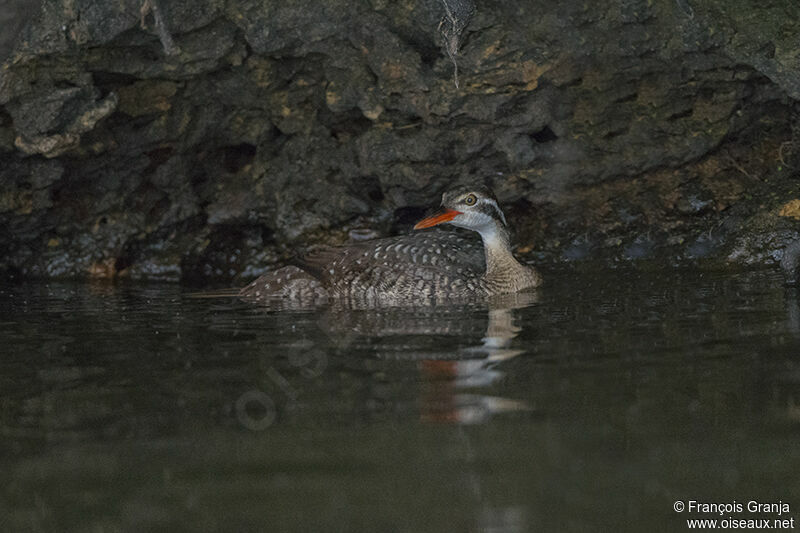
pixel 443 215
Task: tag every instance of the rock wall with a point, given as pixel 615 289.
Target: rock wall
pixel 210 139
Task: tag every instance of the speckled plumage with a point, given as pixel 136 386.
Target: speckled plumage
pixel 432 264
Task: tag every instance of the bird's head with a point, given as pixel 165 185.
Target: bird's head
pixel 473 208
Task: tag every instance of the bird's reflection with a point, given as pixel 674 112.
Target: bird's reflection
pixel 451 371
pixel 793 310
pixel 454 366
pixel 790 376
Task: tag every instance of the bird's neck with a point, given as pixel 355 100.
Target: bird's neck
pixel 501 265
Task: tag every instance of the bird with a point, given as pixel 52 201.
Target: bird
pixel 425 265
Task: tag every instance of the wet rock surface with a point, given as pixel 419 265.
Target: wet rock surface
pixel 209 139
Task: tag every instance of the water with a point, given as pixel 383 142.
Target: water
pixel 592 406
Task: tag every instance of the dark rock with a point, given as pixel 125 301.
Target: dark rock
pixel 51 123
pixel 14 14
pixel 693 205
pixel 210 139
pixel 456 18
pixel 641 248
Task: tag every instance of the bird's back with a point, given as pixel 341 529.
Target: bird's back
pixel 394 268
pixel 407 266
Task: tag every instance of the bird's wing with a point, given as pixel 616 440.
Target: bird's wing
pixel 435 250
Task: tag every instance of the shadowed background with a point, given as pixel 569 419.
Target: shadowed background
pixel 210 139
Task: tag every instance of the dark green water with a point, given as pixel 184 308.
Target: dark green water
pixel 592 407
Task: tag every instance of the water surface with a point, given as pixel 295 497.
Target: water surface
pixel 594 404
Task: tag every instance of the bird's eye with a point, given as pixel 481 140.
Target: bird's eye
pixel 471 199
